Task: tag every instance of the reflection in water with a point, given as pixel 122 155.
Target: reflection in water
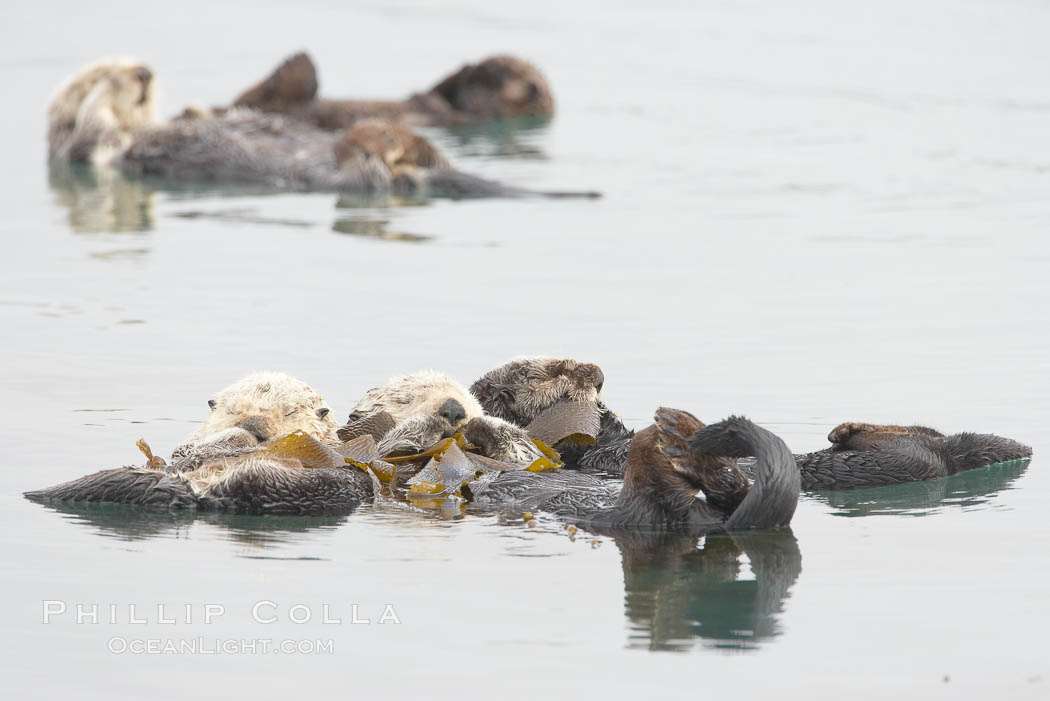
pixel 133 523
pixel 514 138
pixel 678 592
pixel 375 228
pixel 964 489
pixel 241 216
pixel 101 199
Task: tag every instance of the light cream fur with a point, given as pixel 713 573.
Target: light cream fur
pixel 98 108
pixel 283 404
pixel 419 393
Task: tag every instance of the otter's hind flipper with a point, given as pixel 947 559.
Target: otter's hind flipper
pixel 293 82
pixel 971 450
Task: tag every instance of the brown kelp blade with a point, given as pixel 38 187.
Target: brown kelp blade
pixel 551 459
pixel 306 449
pixel 578 421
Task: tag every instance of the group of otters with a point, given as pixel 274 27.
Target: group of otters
pixel 278 134
pixel 532 434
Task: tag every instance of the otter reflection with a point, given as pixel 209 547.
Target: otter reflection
pixel 134 523
pixel 100 200
pixel 375 228
pixel 679 591
pixel 964 489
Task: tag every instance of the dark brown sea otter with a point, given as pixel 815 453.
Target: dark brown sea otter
pixel 498 87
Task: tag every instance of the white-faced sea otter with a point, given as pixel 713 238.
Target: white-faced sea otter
pixel 104 115
pixel 497 87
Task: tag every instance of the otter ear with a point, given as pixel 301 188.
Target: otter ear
pixel 212 403
pixel 322 412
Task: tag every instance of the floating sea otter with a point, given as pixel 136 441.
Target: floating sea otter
pixel 498 87
pixel 237 462
pixel 104 115
pixel 862 455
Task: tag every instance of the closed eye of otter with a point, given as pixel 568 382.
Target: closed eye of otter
pixel 291 412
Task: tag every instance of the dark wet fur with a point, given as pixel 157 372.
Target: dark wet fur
pixel 894 459
pixel 657 496
pixel 279 491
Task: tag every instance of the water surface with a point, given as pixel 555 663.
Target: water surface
pixel 814 212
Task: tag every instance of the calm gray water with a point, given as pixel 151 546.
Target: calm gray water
pixel 815 211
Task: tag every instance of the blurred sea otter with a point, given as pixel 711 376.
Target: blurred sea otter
pixel 495 88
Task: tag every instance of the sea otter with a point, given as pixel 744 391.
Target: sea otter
pixel 104 115
pixel 92 115
pixel 219 467
pixel 404 396
pixel 497 87
pixel 870 455
pixel 523 388
pixel 256 409
pixel 413 411
pixel 676 457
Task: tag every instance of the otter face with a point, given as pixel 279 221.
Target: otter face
pixel 268 405
pixel 402 150
pixel 125 84
pixel 499 87
pixel 430 393
pixel 501 440
pixel 524 388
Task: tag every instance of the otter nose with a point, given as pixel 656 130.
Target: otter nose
pixel 599 379
pixel 255 425
pixel 453 411
pixel 144 74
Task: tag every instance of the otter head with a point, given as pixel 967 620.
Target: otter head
pixel 268 405
pixel 501 440
pixel 499 87
pixel 401 150
pixel 117 92
pixel 524 388
pixel 430 393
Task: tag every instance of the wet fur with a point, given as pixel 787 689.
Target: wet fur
pixel 885 458
pixel 523 388
pixel 667 465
